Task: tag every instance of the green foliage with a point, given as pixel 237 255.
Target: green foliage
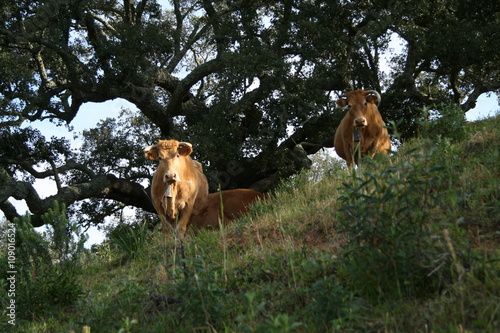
pixel 407 243
pixel 132 131
pixel 333 304
pixel 203 293
pixel 47 264
pixel 129 239
pixel 447 122
pixel 387 215
pixel 66 237
pixel 253 308
pixel 282 323
pixel 129 325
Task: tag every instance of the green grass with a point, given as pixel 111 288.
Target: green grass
pixel 408 243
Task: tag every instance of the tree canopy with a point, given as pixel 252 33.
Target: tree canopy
pixel 251 84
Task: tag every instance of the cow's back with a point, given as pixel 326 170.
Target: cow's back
pixel 235 203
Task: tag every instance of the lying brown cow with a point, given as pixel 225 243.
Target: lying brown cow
pixel 235 203
pixel 179 187
pixel 362 127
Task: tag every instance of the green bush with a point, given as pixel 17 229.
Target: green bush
pixel 386 214
pixel 66 239
pixel 203 295
pixel 446 122
pixel 332 304
pixel 129 239
pixel 47 264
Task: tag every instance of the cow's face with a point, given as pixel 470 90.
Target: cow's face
pixel 170 154
pixel 359 103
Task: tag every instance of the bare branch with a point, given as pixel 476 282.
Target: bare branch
pixel 102 21
pixel 56 175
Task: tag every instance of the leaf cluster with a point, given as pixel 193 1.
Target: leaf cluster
pixel 115 145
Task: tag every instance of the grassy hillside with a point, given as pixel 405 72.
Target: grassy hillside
pixel 405 243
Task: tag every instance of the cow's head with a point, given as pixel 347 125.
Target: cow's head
pixel 169 153
pixel 359 102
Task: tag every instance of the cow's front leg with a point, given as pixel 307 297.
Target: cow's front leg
pixel 350 149
pixel 164 225
pixel 184 217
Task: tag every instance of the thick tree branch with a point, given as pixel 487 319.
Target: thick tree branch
pixel 101 186
pixel 129 193
pixel 214 18
pixel 478 91
pixel 182 94
pixel 314 134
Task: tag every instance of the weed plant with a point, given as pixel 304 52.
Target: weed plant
pixel 129 239
pixel 387 214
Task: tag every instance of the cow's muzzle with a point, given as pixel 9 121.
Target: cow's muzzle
pixel 170 178
pixel 360 122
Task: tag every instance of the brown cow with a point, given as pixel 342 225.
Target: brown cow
pixel 179 187
pixel 362 127
pixel 235 203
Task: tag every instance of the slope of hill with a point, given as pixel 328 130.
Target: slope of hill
pixel 404 243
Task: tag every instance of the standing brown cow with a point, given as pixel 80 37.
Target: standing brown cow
pixel 179 187
pixel 362 127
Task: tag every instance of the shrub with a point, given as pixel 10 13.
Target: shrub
pixel 332 304
pixel 446 122
pixel 386 214
pixel 129 239
pixel 47 264
pixel 65 238
pixel 202 292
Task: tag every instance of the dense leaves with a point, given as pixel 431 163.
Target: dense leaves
pixel 251 83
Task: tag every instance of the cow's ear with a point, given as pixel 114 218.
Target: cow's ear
pixel 373 96
pixel 151 152
pixel 185 148
pixel 342 101
pixel 371 99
